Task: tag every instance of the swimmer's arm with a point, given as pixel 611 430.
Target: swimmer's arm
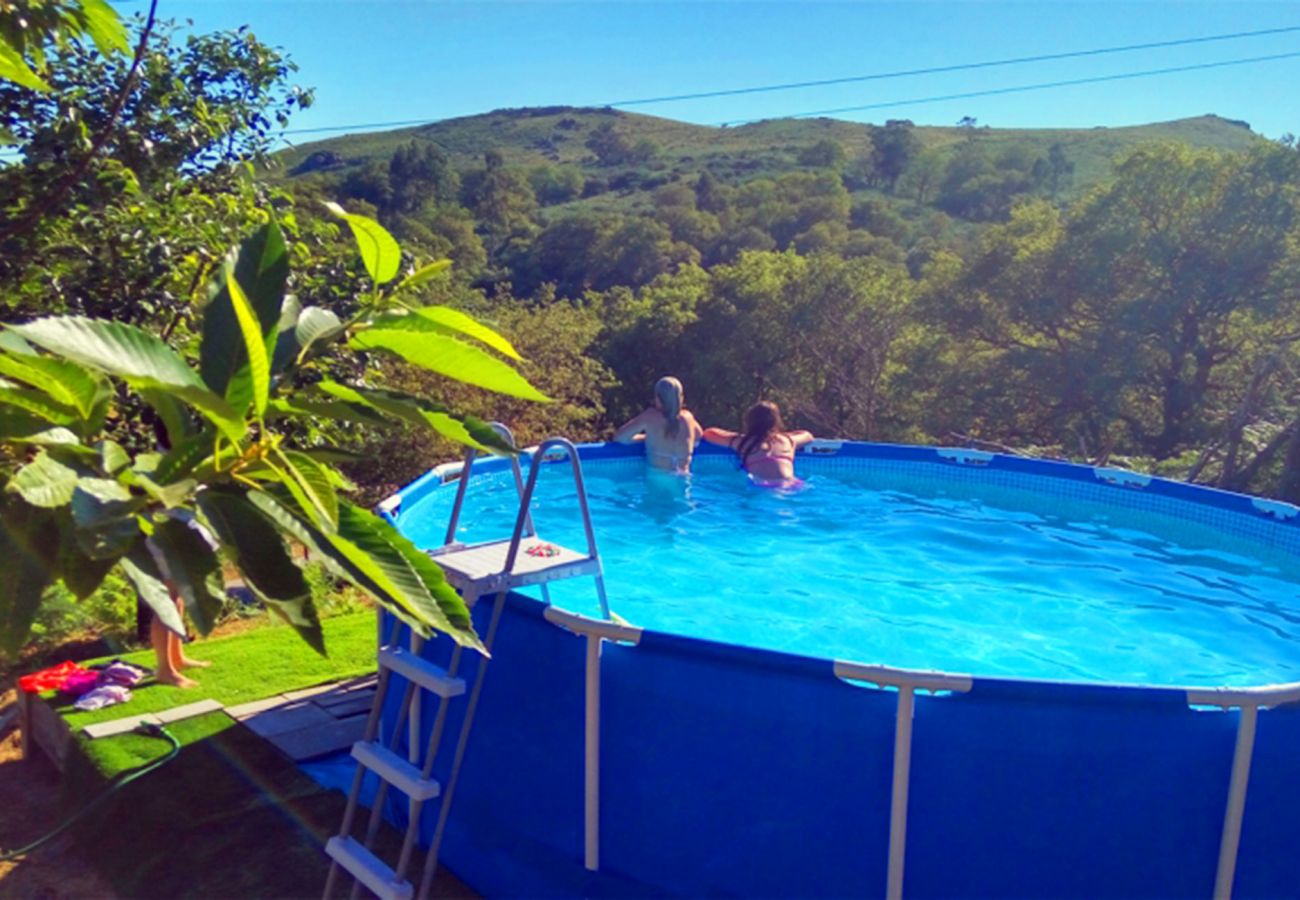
pixel 800 437
pixel 632 430
pixel 720 436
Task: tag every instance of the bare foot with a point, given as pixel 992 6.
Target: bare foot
pixel 176 679
pixel 187 663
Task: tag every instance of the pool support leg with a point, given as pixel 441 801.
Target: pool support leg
pixel 1236 808
pixel 591 787
pixel 898 800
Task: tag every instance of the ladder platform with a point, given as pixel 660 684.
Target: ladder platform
pixel 367 868
pixel 480 567
pixel 395 770
pixel 413 667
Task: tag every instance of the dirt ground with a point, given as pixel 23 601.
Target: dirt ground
pixel 29 798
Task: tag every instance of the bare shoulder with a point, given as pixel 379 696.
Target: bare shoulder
pixel 801 437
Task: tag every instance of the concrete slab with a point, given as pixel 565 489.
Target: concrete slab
pixel 190 710
pixel 359 703
pixel 291 717
pixel 306 743
pixel 244 710
pixel 119 726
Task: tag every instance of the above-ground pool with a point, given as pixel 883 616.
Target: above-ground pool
pixel 927 672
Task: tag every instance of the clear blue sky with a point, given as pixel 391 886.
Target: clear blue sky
pixel 380 60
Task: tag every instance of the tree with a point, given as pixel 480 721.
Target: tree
pixel 613 148
pixel 825 154
pixel 421 174
pixel 77 503
pixel 895 147
pixel 128 187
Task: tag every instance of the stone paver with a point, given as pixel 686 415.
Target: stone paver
pixel 190 710
pixel 318 740
pixel 119 726
pixel 291 717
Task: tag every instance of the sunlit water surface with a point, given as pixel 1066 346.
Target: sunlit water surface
pixel 909 575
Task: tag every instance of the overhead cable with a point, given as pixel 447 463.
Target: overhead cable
pixel 1017 89
pixel 957 67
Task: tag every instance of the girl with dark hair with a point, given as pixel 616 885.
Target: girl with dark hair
pixel 765 448
pixel 670 431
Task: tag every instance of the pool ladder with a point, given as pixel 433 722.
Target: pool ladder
pixel 475 570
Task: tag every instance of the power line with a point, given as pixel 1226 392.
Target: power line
pixel 367 125
pixel 1019 88
pixel 959 67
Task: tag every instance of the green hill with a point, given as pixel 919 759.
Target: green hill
pixel 535 136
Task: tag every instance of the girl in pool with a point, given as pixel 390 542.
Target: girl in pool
pixel 766 449
pixel 669 431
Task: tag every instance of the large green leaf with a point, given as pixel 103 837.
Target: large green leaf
pixel 17 424
pixel 104 27
pixel 310 484
pixel 453 321
pixel 192 569
pixel 372 555
pixel 14 68
pixel 259 551
pixel 297 407
pixel 259 364
pixel 452 358
pixel 45 482
pixel 136 356
pixel 261 267
pixel 105 516
pixel 181 459
pixel 380 254
pixel 28 538
pixel 175 416
pixel 468 430
pixel 424 274
pixel 66 383
pixel 37 403
pixel 316 324
pixel 140 566
pixel 81 574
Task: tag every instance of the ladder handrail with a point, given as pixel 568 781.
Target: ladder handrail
pixel 467 468
pixel 525 501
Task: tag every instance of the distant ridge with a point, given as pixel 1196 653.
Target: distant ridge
pixel 555 134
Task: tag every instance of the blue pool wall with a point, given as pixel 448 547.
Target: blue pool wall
pixel 730 771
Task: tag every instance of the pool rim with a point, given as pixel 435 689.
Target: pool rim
pixel 1279 513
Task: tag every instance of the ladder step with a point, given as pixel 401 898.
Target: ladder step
pixel 395 770
pixel 424 673
pixel 367 868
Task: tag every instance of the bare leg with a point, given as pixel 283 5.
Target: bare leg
pixel 178 657
pixel 166 649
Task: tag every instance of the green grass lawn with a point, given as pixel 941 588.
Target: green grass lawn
pixel 248 666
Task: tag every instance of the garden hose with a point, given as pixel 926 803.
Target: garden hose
pixel 121 781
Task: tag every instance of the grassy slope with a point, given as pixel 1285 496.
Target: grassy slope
pixel 534 137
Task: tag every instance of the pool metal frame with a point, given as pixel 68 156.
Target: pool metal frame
pixel 907 682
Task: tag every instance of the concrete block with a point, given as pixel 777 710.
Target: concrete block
pixel 190 710
pixel 119 726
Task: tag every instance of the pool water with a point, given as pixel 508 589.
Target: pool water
pixel 898 572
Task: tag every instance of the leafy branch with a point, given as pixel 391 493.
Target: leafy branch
pixel 229 480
